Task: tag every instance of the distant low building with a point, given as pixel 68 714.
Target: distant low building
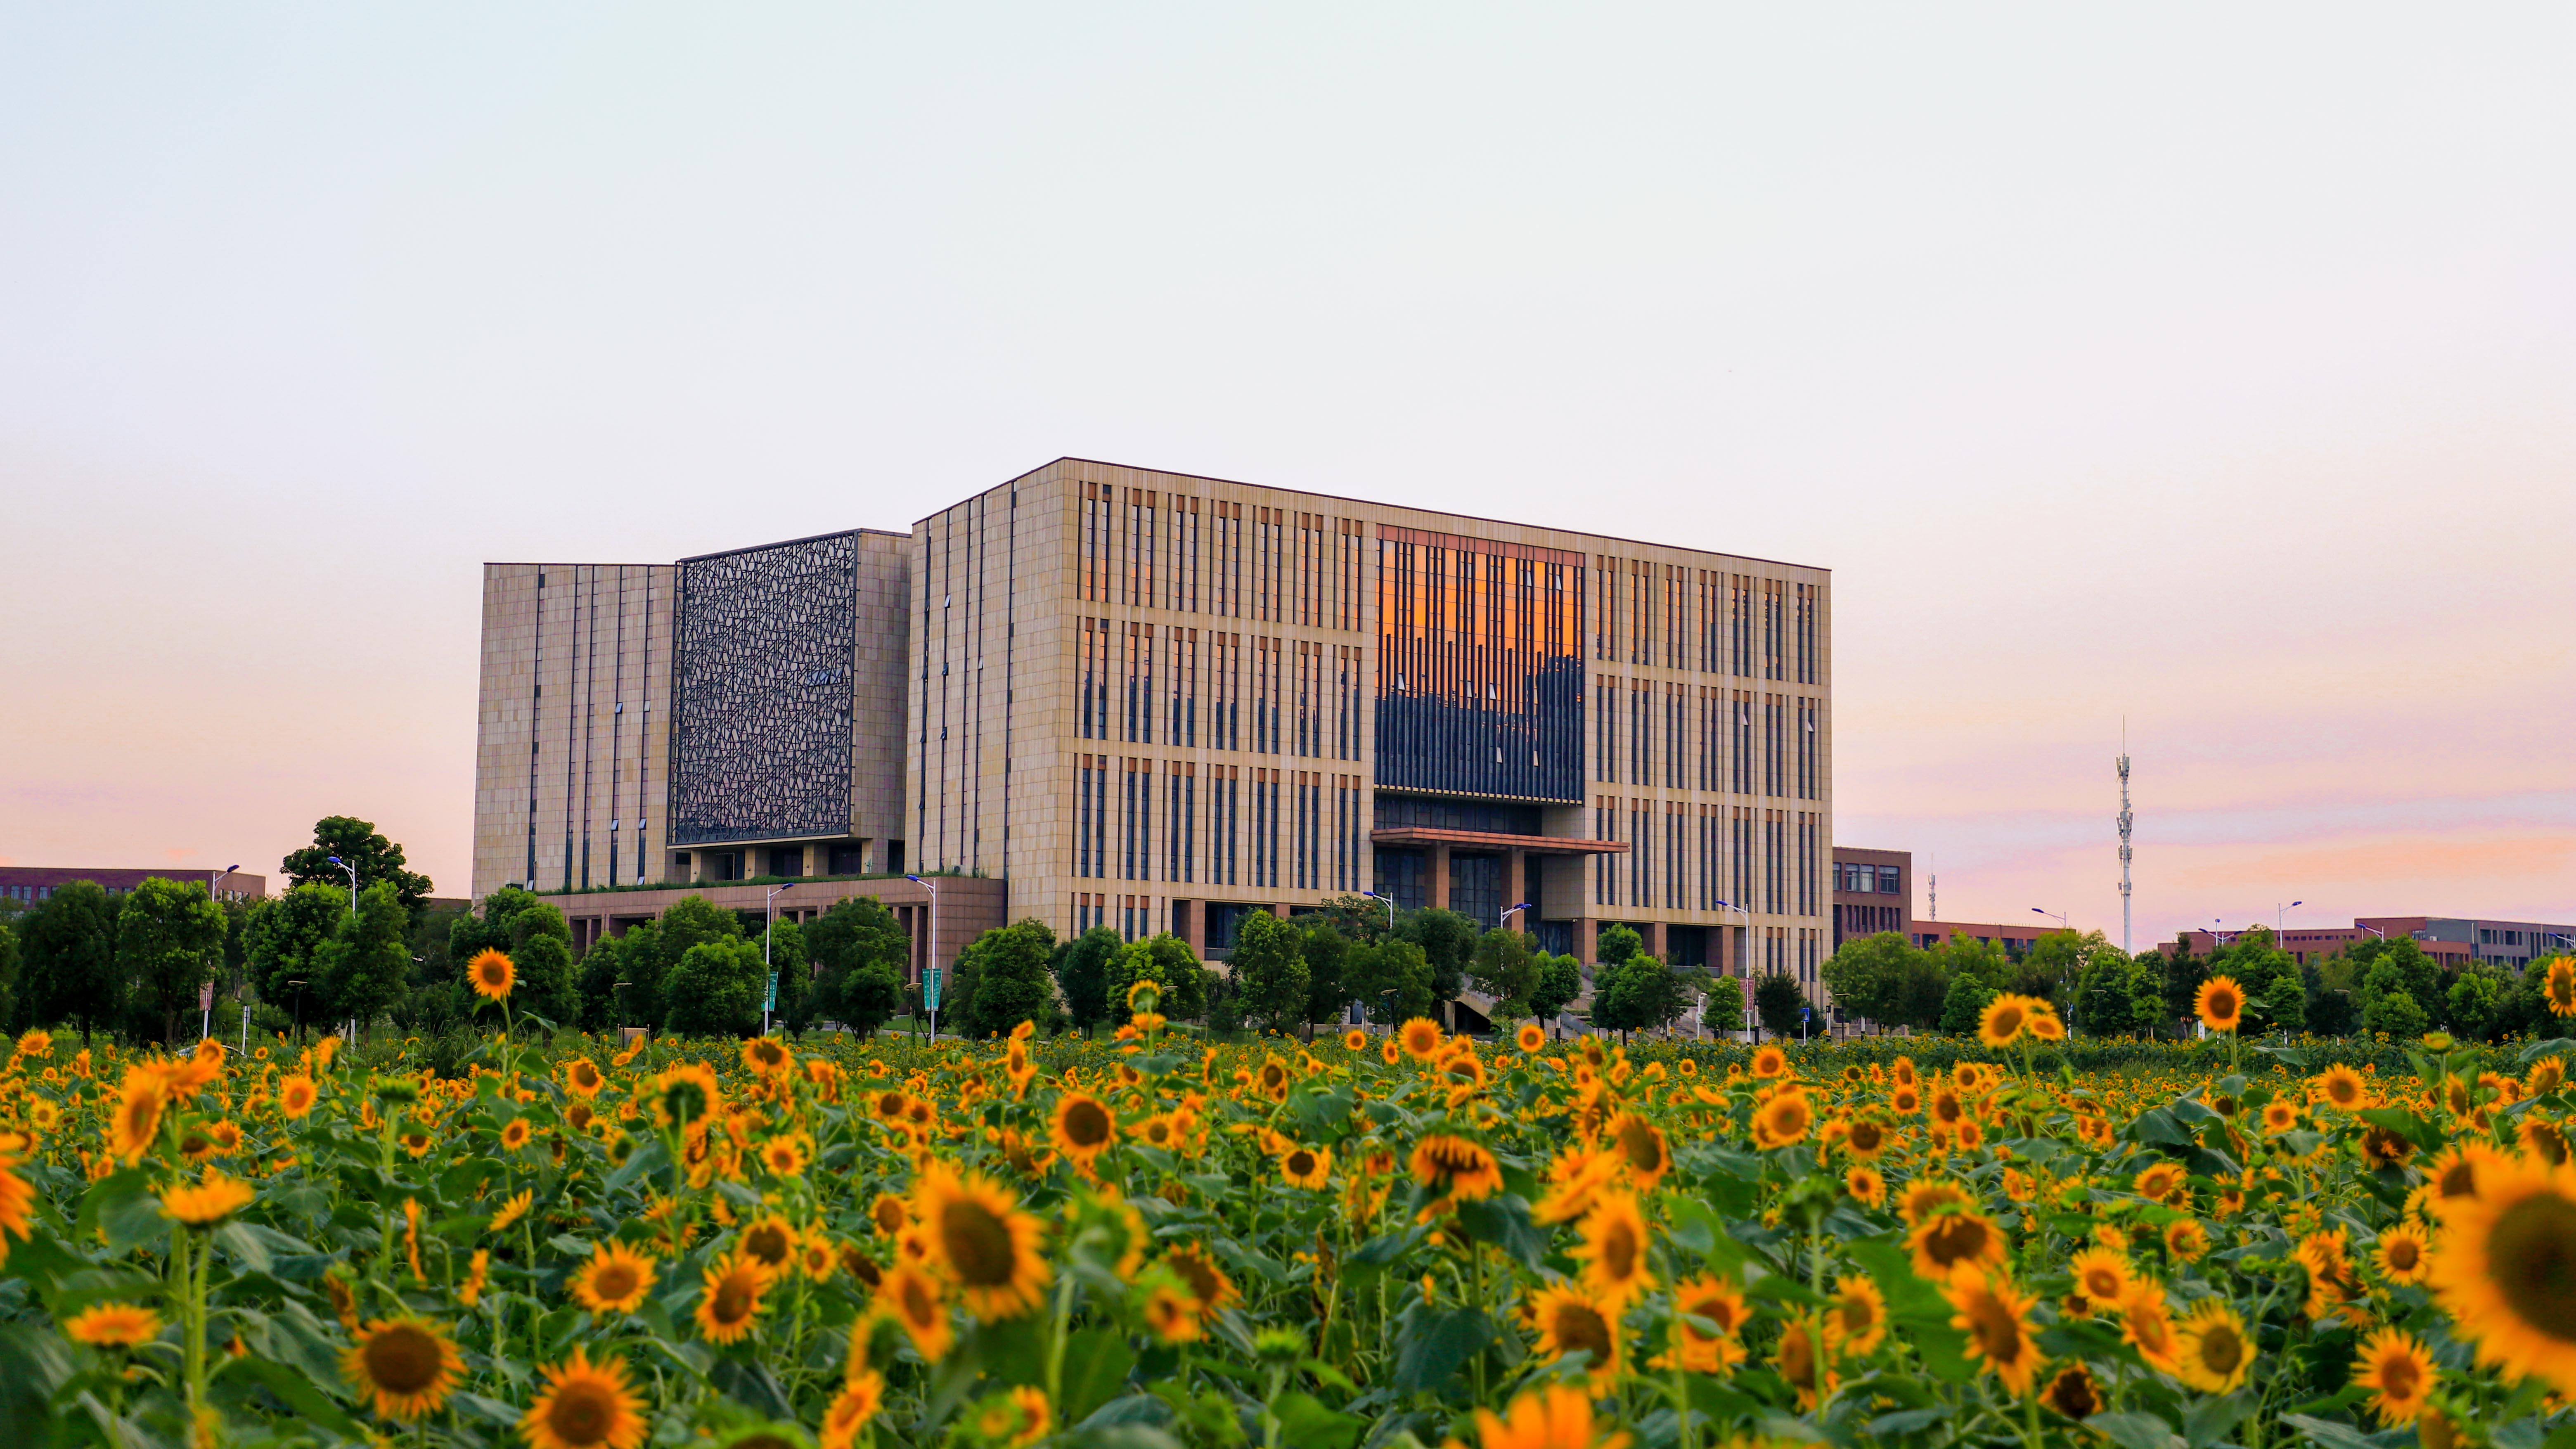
pixel 1873 892
pixel 2452 941
pixel 2014 939
pixel 29 884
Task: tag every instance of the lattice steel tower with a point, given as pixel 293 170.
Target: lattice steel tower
pixel 2126 821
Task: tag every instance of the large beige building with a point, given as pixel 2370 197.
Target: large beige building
pixel 1156 702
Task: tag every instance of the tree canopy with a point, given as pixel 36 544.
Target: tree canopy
pixel 358 843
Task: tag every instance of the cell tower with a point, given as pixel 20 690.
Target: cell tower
pixel 2126 821
pixel 1935 887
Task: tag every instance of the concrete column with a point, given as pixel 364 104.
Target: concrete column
pixel 1189 922
pixel 1651 934
pixel 1517 887
pixel 1587 940
pixel 1439 882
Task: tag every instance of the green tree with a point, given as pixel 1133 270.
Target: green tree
pixel 1965 1003
pixel 1011 980
pixel 69 952
pixel 1778 1002
pixel 2476 1004
pixel 610 960
pixel 1390 979
pixel 2119 995
pixel 1082 975
pixel 364 966
pixel 546 985
pixel 357 843
pixel 2396 1013
pixel 863 957
pixel 714 988
pixel 2182 973
pixel 691 922
pixel 1448 940
pixel 1722 1010
pixel 1328 956
pixel 281 938
pixel 794 969
pixel 1560 981
pixel 1270 970
pixel 1504 967
pixel 8 970
pixel 168 939
pixel 1617 945
pixel 2398 968
pixel 1167 961
pixel 1878 977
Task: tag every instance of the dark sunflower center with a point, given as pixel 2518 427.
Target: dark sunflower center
pixel 402 1360
pixel 768 1243
pixel 1580 1328
pixel 917 1306
pixel 1998 1333
pixel 1644 1153
pixel 580 1414
pixel 1955 1239
pixel 761 1441
pixel 2397 1376
pixel 1086 1125
pixel 2072 1395
pixel 733 1299
pixel 613 1281
pixel 2401 1253
pixel 1619 1251
pixel 2531 1254
pixel 978 1243
pixel 2008 1021
pixel 1797 1359
pixel 2221 1349
pixel 1865 1136
pixel 1301 1163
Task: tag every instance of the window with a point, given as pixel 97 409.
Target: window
pixel 1891 880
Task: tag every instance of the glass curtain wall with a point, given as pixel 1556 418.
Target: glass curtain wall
pixel 1479 671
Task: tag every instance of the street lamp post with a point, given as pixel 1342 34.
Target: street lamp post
pixel 2054 916
pixel 353 910
pixel 769 908
pixel 1390 909
pixel 930 973
pixel 298 984
pixel 2281 914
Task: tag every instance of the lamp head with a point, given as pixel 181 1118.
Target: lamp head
pixel 335 860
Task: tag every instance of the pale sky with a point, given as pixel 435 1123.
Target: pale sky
pixel 2212 367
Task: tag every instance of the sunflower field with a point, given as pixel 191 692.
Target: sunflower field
pixel 1408 1239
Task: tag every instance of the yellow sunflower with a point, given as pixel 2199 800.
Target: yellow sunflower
pixel 1613 1250
pixel 1420 1038
pixel 1796 1359
pixel 2213 1347
pixel 2558 988
pixel 913 1299
pixel 772 1240
pixel 615 1279
pixel 2001 1023
pixel 583 1078
pixel 684 1095
pixel 407 1365
pixel 734 1286
pixel 1997 1320
pixel 2073 1393
pixel 136 1119
pixel 1455 1167
pixel 1866 1185
pixel 2505 1268
pixel 1306 1166
pixel 1172 1314
pixel 1858 1319
pixel 1531 1038
pixel 214 1198
pixel 492 974
pixel 979 1238
pixel 1556 1417
pixel 2399 1372
pixel 861 1396
pixel 1948 1241
pixel 1084 1127
pixel 1355 1039
pixel 2101 1274
pixel 1784 1120
pixel 1646 1153
pixel 1207 1282
pixel 1716 1347
pixel 1571 1321
pixel 113 1325
pixel 585 1406
pixel 2402 1254
pixel 2220 1003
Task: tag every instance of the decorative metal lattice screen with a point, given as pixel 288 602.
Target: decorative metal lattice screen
pixel 761 690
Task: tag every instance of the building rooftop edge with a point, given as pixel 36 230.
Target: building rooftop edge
pixel 1373 503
